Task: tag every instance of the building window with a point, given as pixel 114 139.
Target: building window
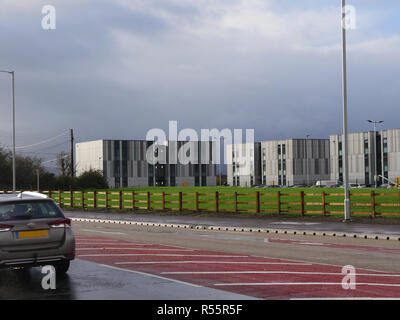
pixel 116 150
pixel 117 169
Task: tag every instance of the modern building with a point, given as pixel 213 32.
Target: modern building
pixel 390 154
pixel 281 162
pixel 135 163
pixel 294 161
pixel 370 154
pixel 243 164
pixel 363 151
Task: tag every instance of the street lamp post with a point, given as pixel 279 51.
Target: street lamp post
pixel 13 135
pixel 307 162
pixel 376 151
pixel 345 138
pixel 220 162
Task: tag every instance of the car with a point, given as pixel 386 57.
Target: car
pixel 34 232
pixel 386 185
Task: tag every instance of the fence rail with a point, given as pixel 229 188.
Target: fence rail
pixel 302 203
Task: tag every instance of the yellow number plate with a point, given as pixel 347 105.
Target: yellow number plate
pixel 31 234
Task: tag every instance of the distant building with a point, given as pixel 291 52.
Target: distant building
pixel 135 163
pixel 364 150
pixel 280 162
pixel 243 164
pixel 294 161
pixel 390 154
pixel 361 154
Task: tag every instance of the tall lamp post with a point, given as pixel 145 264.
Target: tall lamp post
pixel 220 160
pixel 307 174
pixel 345 138
pixel 376 151
pixel 13 135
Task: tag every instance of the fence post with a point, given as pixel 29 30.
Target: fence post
pixel 50 195
pixel 59 199
pixel 95 199
pixel 148 201
pixel 180 201
pixel 120 203
pixel 302 203
pixel 216 201
pixel 106 200
pixel 133 201
pixel 373 203
pixel 71 199
pixel 163 201
pixel 236 202
pixel 279 202
pixel 83 199
pixel 197 202
pixel 323 204
pixel 258 202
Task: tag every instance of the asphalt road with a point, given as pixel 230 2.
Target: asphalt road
pixel 267 222
pixel 93 281
pixel 127 262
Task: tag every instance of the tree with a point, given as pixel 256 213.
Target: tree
pixel 64 162
pixel 5 169
pixel 92 179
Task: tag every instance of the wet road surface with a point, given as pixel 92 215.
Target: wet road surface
pixel 92 281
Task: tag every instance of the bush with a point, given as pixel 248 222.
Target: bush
pixel 92 179
pixel 65 183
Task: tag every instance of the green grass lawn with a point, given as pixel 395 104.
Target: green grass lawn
pixel 387 201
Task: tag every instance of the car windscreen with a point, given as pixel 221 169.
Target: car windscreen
pixel 20 210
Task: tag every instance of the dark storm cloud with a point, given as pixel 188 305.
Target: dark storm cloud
pixel 117 69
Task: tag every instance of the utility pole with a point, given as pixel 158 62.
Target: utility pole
pixel 345 137
pixel 72 153
pixel 13 134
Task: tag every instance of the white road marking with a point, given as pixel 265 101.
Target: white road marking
pixel 297 223
pixel 158 255
pixel 212 262
pixel 151 275
pixel 302 284
pixel 312 243
pixel 361 298
pixel 109 232
pixel 144 249
pixel 94 240
pixel 277 272
pixel 112 243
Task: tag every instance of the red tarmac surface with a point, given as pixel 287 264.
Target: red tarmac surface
pixel 261 277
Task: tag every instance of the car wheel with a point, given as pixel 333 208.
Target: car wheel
pixel 62 267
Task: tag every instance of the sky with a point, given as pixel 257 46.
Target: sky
pixel 114 69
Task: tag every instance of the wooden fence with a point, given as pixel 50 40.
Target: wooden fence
pixel 322 203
